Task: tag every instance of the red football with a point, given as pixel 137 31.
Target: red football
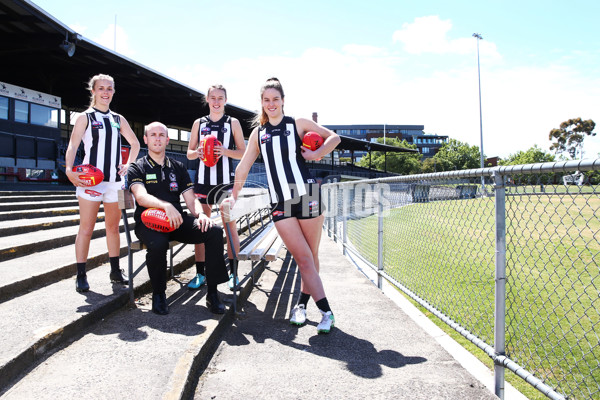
pixel 156 218
pixel 208 143
pixel 312 140
pixel 89 174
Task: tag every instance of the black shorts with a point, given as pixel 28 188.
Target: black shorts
pixel 212 194
pixel 303 207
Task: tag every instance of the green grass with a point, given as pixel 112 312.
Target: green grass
pixel 445 253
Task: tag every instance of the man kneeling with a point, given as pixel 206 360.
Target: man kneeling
pixel 157 181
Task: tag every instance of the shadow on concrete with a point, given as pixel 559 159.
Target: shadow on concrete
pixel 359 355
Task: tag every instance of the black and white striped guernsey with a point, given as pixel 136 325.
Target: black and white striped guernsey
pixel 286 169
pixel 102 143
pixel 222 172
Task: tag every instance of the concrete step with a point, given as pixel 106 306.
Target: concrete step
pixel 35 224
pixel 20 197
pixel 37 323
pixel 30 272
pixel 34 205
pixel 131 353
pixel 39 213
pixel 14 246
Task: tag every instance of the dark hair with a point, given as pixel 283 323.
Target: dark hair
pixel 220 87
pixel 271 83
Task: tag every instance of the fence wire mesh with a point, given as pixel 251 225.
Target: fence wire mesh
pixel 436 236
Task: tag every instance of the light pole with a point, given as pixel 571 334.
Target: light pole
pixel 479 37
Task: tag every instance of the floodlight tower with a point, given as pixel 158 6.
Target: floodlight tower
pixel 479 37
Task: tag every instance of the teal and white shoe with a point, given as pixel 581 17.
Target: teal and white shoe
pixel 327 322
pixel 298 316
pixel 230 283
pixel 198 281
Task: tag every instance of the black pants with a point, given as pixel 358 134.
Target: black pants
pixel 158 245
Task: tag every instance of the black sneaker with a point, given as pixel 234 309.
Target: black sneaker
pixel 117 277
pixel 81 283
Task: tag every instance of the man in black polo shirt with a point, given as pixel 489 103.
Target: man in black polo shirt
pixel 157 181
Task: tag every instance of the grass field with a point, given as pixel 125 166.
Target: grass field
pixel 445 253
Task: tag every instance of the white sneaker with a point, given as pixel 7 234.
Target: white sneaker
pixel 298 315
pixel 327 322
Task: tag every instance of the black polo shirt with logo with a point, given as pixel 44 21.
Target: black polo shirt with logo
pixel 166 182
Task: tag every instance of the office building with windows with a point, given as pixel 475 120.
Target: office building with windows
pixel 428 145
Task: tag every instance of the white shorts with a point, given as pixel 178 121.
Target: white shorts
pixel 106 192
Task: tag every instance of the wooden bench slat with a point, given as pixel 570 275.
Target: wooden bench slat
pixel 245 205
pixel 244 253
pixel 260 250
pixel 274 249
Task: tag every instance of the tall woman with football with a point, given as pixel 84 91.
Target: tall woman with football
pixel 100 130
pixel 214 173
pixel 295 194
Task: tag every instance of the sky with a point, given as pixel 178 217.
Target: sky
pixel 374 62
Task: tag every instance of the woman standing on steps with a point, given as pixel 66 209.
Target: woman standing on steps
pixel 295 194
pixel 100 129
pixel 213 184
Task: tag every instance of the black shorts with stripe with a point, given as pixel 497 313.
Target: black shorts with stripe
pixel 303 207
pixel 212 194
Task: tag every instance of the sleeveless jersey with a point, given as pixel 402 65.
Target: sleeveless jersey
pixel 222 172
pixel 286 169
pixel 102 143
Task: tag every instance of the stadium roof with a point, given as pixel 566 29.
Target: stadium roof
pixel 353 144
pixel 30 47
pixel 35 56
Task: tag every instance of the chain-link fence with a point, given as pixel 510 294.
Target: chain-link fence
pixel 508 256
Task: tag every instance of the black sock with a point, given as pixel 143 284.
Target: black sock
pixel 114 263
pixel 81 268
pixel 304 298
pixel 200 267
pixel 211 289
pixel 323 304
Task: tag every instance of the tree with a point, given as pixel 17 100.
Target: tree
pixel 432 164
pixel 401 163
pixel 569 137
pixel 457 155
pixel 531 156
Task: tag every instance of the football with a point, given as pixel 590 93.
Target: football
pixel 89 174
pixel 312 140
pixel 208 143
pixel 156 218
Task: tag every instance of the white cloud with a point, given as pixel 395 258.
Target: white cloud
pixel 430 35
pixel 107 39
pixel 366 84
pixel 79 28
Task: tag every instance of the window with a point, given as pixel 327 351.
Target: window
pixel 3 108
pixel 173 134
pixel 21 111
pixel 45 116
pixel 185 136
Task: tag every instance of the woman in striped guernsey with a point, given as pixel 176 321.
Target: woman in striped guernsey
pixel 212 184
pixel 100 129
pixel 295 195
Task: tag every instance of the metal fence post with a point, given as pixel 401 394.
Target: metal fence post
pixel 328 218
pixel 500 298
pixel 345 204
pixel 333 212
pixel 379 236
